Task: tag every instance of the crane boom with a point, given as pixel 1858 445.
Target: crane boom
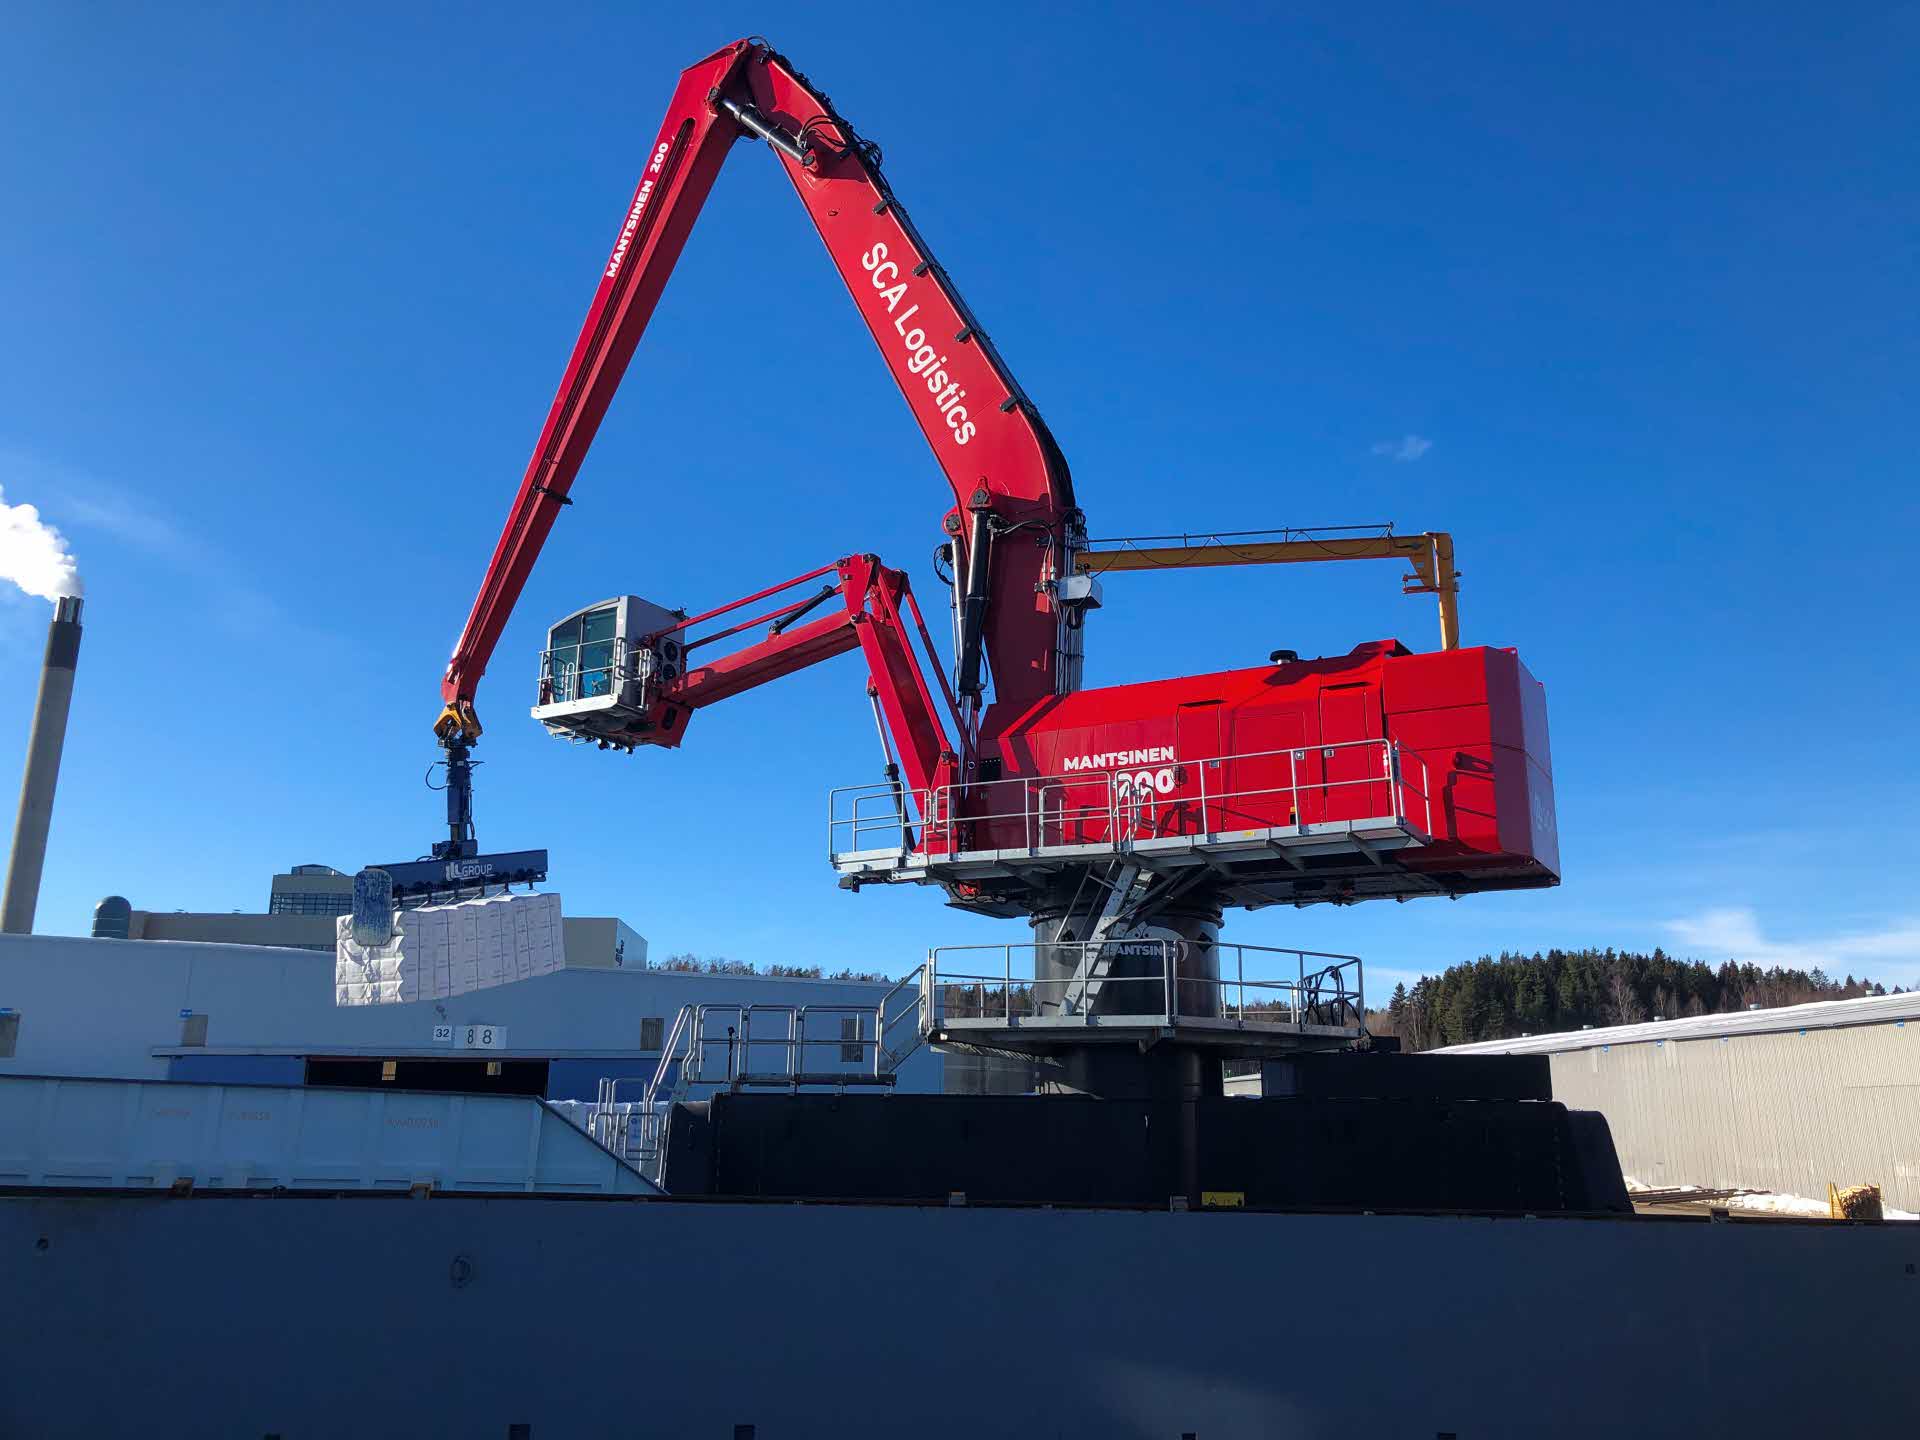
pixel 1005 470
pixel 1376 773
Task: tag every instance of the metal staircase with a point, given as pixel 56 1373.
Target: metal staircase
pixel 1125 884
pixel 735 1047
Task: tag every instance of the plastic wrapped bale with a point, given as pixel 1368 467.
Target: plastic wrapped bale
pixel 372 974
pixel 439 951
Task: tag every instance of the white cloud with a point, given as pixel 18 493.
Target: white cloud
pixel 1406 448
pixel 34 555
pixel 1890 953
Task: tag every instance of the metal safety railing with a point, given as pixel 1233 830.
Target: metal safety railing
pixel 1138 981
pixel 1380 769
pixel 1299 787
pixel 571 673
pixel 732 1046
pixel 1143 982
pixel 901 1019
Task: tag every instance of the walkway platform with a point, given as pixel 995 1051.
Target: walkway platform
pixel 1238 1000
pixel 1265 866
pixel 1273 827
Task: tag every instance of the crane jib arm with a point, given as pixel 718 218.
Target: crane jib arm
pixel 994 449
pixel 656 679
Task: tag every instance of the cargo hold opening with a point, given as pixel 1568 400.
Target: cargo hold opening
pixel 461 1077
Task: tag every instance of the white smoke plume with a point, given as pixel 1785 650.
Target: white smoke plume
pixel 34 555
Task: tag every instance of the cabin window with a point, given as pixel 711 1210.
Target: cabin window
pixel 850 1030
pixel 596 652
pixel 652 1032
pixel 580 660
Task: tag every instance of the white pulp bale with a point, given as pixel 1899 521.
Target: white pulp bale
pixel 439 951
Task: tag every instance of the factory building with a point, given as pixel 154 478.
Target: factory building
pixel 250 1014
pixel 311 890
pixel 1788 1100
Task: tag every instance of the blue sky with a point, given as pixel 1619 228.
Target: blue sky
pixel 286 296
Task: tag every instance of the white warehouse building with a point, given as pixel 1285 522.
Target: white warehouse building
pixel 1787 1100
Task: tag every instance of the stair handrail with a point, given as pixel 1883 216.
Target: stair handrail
pixel 885 1059
pixel 664 1074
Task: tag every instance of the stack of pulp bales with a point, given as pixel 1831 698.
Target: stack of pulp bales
pixel 1854 1202
pixel 439 951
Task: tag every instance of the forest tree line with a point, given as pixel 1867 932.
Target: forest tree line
pixel 686 962
pixel 1514 995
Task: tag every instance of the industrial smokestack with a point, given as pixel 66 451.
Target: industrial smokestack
pixel 43 769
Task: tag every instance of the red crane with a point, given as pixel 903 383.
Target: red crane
pixel 1006 471
pixel 1377 773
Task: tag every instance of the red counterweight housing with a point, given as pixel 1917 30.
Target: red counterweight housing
pixel 1477 719
pixel 1379 772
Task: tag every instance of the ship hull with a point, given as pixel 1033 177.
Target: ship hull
pixel 377 1315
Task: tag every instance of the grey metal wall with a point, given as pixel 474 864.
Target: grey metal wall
pixel 66 1133
pixel 1787 1112
pixel 392 1317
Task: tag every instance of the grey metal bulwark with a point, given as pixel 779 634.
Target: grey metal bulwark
pixel 62 1133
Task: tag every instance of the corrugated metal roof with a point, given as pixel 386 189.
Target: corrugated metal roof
pixel 1819 1015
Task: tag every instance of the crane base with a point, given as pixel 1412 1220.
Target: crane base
pixel 1482 1155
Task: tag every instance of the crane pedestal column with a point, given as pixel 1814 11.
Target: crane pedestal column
pixel 1168 1071
pixel 1128 979
pixel 1170 1079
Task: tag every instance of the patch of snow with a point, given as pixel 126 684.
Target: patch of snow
pixel 1767 1203
pixel 1763 1202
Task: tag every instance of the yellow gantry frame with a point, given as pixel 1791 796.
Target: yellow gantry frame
pixel 1429 554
